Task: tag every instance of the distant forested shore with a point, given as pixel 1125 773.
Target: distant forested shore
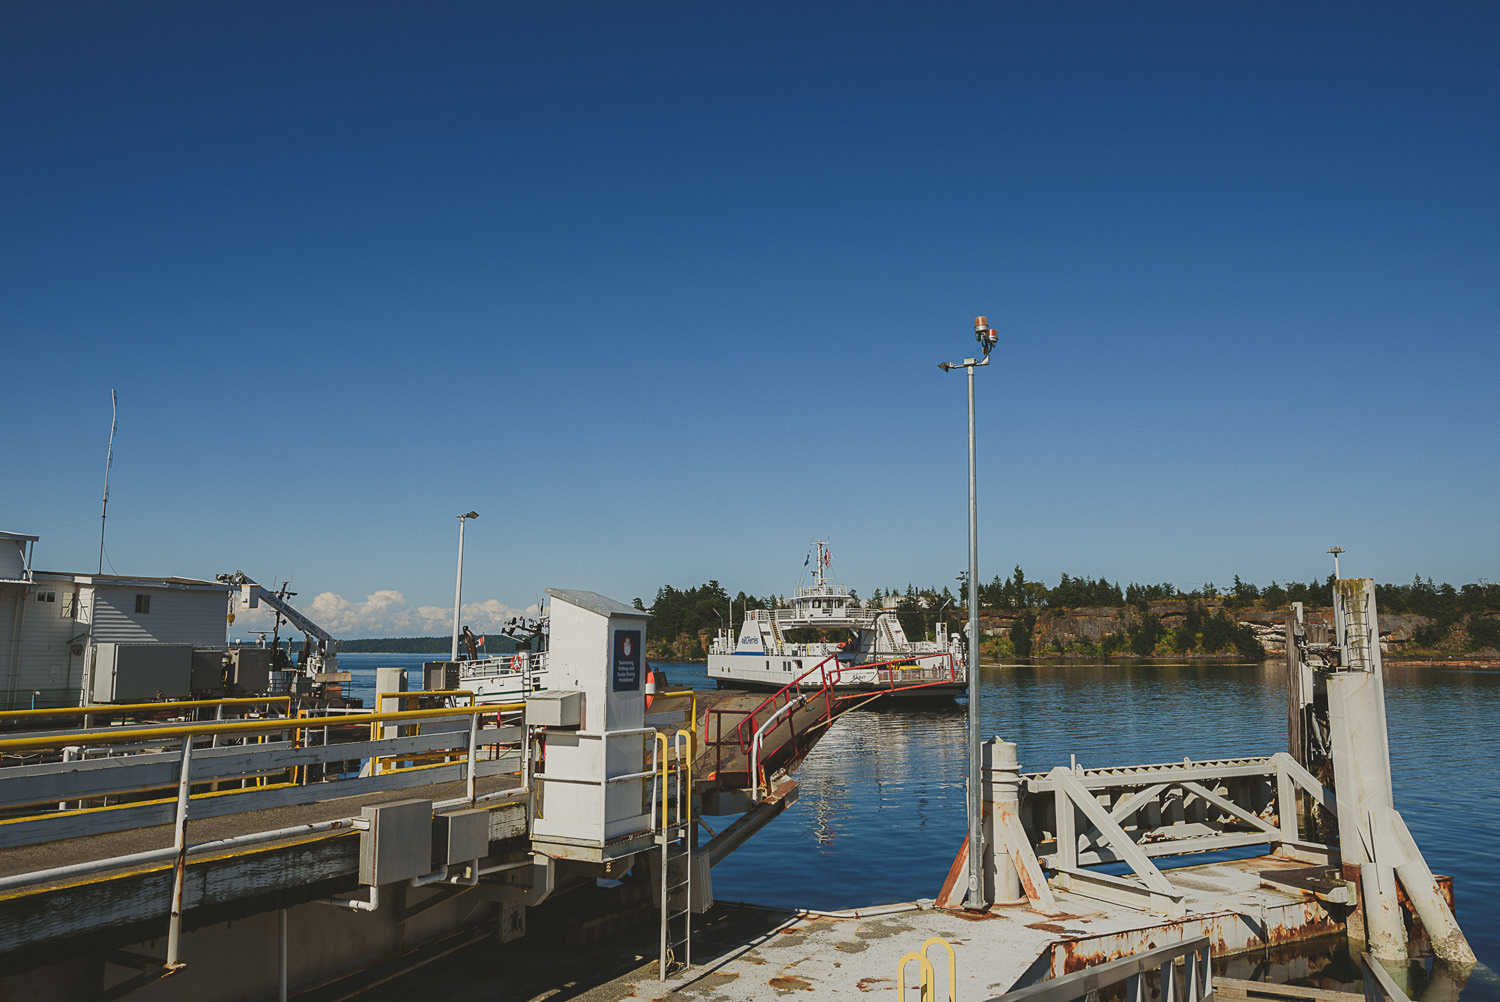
pixel 1080 617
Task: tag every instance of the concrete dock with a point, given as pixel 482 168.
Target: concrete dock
pixel 748 954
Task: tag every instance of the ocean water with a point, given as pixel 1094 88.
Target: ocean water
pixel 881 810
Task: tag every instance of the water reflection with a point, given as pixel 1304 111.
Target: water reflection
pixel 881 812
pixel 889 785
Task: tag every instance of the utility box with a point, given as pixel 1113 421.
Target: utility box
pixel 398 844
pixel 138 673
pixel 250 668
pixel 554 708
pixel 461 837
pixel 593 794
pixel 208 669
pixel 439 676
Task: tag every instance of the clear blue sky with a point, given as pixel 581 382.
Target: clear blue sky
pixel 661 289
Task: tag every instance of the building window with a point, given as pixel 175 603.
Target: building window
pixel 46 596
pixel 143 603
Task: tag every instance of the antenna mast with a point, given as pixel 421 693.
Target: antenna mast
pixel 109 459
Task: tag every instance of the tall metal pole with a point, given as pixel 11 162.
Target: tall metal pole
pixel 975 899
pixel 458 587
pixel 109 460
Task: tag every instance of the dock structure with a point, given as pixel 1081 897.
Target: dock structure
pixel 232 849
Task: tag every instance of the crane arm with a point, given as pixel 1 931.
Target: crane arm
pixel 252 594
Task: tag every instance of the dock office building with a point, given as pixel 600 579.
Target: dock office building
pixel 73 639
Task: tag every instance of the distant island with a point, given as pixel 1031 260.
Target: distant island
pixel 1083 617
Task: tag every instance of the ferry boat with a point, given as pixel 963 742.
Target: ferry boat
pixel 506 678
pixel 876 656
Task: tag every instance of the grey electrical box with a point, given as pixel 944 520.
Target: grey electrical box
pixel 208 669
pixel 135 673
pixel 398 844
pixel 439 676
pixel 554 708
pixel 461 837
pixel 250 668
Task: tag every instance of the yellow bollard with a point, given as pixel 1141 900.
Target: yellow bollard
pixel 925 990
pixel 952 966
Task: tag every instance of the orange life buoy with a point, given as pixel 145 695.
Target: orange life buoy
pixel 650 686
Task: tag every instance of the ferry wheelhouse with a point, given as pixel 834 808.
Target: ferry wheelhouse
pixel 875 655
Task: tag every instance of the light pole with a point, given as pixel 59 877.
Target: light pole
pixel 458 589
pixel 1335 550
pixel 986 336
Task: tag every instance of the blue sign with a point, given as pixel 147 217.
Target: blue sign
pixel 625 667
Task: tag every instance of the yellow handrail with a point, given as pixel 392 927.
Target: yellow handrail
pixel 249 726
pixel 109 709
pixel 419 693
pixel 692 694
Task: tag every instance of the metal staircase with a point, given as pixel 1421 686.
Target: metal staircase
pixel 674 835
pixel 776 634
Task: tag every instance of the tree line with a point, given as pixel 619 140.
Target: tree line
pixel 684 621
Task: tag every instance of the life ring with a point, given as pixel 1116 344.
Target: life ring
pixel 650 686
pixel 515 663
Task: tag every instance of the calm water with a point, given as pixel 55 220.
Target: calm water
pixel 881 812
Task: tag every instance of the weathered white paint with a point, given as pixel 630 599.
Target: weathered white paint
pixel 49 646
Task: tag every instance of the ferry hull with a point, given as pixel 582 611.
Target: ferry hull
pixel 932 690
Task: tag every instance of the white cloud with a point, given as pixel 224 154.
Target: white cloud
pixel 383 613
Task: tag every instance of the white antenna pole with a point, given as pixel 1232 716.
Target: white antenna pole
pixel 109 459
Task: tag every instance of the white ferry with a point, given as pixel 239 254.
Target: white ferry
pixel 877 655
pixel 506 678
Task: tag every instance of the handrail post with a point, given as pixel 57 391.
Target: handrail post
pixel 473 749
pixel 184 788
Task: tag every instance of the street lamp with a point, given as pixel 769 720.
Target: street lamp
pixel 458 589
pixel 1335 550
pixel 986 336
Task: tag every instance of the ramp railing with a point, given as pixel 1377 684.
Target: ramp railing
pixel 1197 985
pixel 754 742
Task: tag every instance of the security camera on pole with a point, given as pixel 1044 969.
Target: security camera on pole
pixel 986 336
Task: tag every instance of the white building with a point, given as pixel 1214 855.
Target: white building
pixel 51 623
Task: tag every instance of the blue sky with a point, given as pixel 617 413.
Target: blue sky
pixel 660 290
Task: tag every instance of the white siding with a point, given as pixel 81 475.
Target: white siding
pixel 177 616
pixel 12 559
pixel 46 660
pixel 96 613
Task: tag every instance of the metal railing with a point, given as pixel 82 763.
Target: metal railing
pixel 749 734
pixel 88 714
pixel 273 765
pixel 1198 986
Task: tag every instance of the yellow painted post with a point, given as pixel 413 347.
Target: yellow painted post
pixel 925 971
pixel 952 965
